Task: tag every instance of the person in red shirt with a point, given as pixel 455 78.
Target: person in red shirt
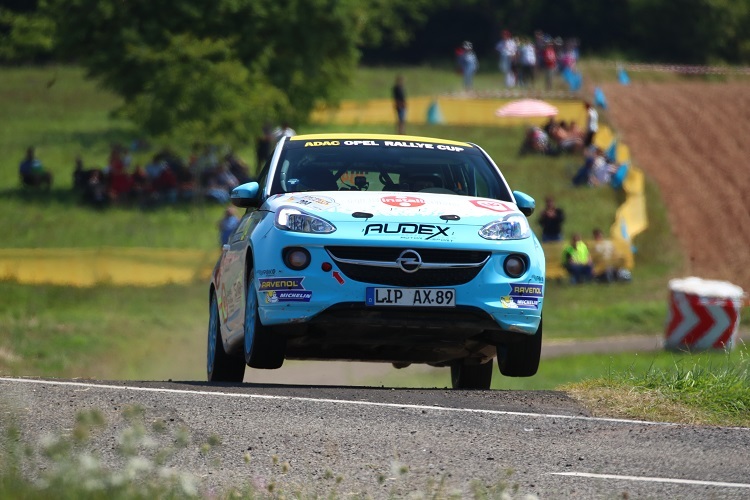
pixel 549 59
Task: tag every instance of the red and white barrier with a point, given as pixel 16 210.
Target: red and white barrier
pixel 703 314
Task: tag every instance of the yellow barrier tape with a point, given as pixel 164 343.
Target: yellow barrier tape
pixel 116 266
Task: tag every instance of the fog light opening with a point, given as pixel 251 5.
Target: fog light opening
pixel 514 266
pixel 296 258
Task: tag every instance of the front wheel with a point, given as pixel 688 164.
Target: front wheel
pixel 466 376
pixel 521 359
pixel 263 349
pixel 220 366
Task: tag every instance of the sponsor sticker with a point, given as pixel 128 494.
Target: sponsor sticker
pixel 402 201
pixel 408 230
pixel 267 284
pixel 526 290
pixel 276 296
pixel 512 302
pixel 495 206
pixel 266 272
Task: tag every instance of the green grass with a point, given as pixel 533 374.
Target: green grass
pixel 104 332
pixel 706 388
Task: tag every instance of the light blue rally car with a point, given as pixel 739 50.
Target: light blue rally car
pixel 385 248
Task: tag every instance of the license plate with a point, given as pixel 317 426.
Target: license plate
pixel 411 297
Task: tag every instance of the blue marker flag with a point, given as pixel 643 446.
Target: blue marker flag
pixel 599 99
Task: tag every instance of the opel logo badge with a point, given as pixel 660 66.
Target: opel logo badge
pixel 409 261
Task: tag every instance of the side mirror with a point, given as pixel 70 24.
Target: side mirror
pixel 526 203
pixel 246 195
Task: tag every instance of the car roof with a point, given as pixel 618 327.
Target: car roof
pixel 382 137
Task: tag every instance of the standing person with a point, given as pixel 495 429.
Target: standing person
pixel 551 220
pixel 399 103
pixel 469 65
pixel 32 171
pixel 284 131
pixel 508 48
pixel 228 224
pixel 577 260
pixel 592 124
pixel 263 146
pixel 549 61
pixel 526 63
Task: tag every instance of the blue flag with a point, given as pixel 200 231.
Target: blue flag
pixel 599 99
pixel 622 76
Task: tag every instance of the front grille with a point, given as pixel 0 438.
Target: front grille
pixel 453 267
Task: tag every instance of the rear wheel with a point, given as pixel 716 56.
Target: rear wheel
pixel 263 349
pixel 521 359
pixel 220 366
pixel 466 376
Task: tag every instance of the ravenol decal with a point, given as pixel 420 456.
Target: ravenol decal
pixel 276 296
pixel 526 290
pixel 429 230
pixel 402 201
pixel 267 284
pixel 495 206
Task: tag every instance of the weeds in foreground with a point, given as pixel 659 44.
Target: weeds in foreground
pixel 73 465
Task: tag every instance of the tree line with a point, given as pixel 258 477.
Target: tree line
pixel 218 70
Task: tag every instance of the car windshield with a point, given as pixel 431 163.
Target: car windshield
pixel 387 165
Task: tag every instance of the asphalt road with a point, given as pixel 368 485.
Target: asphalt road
pixel 389 443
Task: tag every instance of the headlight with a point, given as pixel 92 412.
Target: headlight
pixel 510 227
pixel 292 219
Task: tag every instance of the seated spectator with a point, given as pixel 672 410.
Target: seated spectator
pixel 238 168
pixel 565 141
pixel 577 260
pixel 551 220
pixel 96 192
pixel 32 171
pixel 536 140
pixel 228 224
pixel 596 169
pixel 608 265
pixel 80 176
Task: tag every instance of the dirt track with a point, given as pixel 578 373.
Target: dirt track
pixel 691 139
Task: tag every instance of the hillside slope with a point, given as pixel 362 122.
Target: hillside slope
pixel 690 138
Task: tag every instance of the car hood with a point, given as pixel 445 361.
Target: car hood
pixel 356 206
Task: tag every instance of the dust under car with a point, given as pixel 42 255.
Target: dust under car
pixel 379 248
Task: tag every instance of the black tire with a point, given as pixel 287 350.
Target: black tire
pixel 220 366
pixel 263 348
pixel 521 359
pixel 466 376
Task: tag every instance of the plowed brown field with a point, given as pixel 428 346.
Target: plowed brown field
pixel 692 139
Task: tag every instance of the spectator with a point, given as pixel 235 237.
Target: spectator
pixel 284 131
pixel 592 124
pixel 96 191
pixel 508 50
pixel 80 176
pixel 238 168
pixel 263 146
pixel 526 63
pixel 469 65
pixel 32 171
pixel 536 140
pixel 551 220
pixel 603 251
pixel 549 60
pixel 577 260
pixel 228 224
pixel 399 103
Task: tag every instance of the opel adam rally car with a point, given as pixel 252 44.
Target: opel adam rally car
pixel 380 248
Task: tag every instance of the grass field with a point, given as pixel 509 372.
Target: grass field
pixel 121 332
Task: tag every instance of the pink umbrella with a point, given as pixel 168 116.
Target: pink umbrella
pixel 527 108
